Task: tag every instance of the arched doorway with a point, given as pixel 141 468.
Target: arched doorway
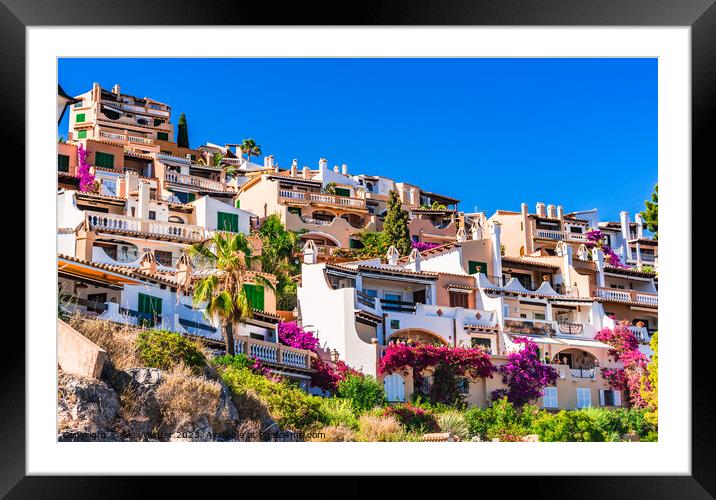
pixel 417 336
pixel 394 386
pixel 582 364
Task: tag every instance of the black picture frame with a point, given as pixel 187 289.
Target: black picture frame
pixel 700 15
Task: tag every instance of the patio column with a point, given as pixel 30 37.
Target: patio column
pixel 598 258
pixel 548 312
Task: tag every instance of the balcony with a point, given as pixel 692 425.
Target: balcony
pixel 196 182
pixel 641 333
pixel 290 196
pixel 560 235
pixel 529 326
pixel 97 221
pixel 567 328
pixel 122 138
pixel 273 353
pixel 618 295
pixel 136 109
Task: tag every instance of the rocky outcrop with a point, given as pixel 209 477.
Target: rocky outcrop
pixel 87 409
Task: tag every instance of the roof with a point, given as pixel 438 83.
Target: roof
pixel 529 261
pixel 383 269
pixel 129 272
pixel 628 271
pixel 62 93
pixel 433 251
pixel 436 195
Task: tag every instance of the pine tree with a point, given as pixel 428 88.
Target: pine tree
pixel 395 226
pixel 651 214
pixel 183 132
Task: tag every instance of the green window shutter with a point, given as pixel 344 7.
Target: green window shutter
pixel 238 204
pixel 82 134
pixel 191 197
pixel 475 266
pixel 63 163
pixel 104 160
pixel 79 117
pixel 227 222
pixel 162 136
pixel 343 192
pixel 149 308
pixel 255 295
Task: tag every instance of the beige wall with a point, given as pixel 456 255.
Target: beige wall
pixel 512 234
pixel 76 354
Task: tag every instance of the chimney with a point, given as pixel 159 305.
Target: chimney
pixel 322 164
pixel 336 169
pixel 294 168
pixel 415 258
pixel 270 161
pixel 148 263
pixel 185 268
pixel 461 236
pixel 565 251
pixel 598 257
pixel 144 192
pixel 266 162
pixel 306 173
pixel 344 169
pixel 639 226
pixel 525 210
pixel 115 89
pixel 310 253
pixel 414 198
pixel 551 211
pixel 495 231
pixel 392 256
pixel 541 209
pixel 560 212
pixel 626 234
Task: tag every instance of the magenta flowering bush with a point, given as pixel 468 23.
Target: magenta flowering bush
pixel 421 246
pixel 328 375
pixel 87 181
pixel 524 375
pixel 595 238
pixel 412 417
pixel 625 348
pixel 292 335
pixel 448 363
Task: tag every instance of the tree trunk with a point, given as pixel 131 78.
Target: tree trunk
pixel 229 335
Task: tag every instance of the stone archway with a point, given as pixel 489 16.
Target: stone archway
pixel 416 335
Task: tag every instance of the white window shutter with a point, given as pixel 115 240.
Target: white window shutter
pixel 617 398
pixel 601 397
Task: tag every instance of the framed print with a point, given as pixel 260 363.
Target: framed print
pixel 395 244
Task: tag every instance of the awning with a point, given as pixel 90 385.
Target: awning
pixel 584 343
pixel 535 339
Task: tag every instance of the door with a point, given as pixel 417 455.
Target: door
pixel 419 297
pixel 394 387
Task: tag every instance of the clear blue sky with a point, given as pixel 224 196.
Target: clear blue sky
pixel 491 132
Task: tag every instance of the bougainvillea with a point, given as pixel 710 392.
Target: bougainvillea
pixel 448 363
pixel 328 375
pixel 625 348
pixel 87 181
pixel 595 239
pixel 292 335
pixel 421 246
pixel 412 417
pixel 524 375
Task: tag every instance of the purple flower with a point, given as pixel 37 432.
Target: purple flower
pixel 292 335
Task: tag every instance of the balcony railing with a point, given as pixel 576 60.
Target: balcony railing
pixel 397 306
pixel 560 235
pixel 325 199
pixel 125 138
pixel 645 298
pixel 588 373
pixel 529 326
pixel 123 223
pixel 135 109
pixel 196 182
pixel 273 353
pixel 641 333
pixel 365 299
pixel 570 328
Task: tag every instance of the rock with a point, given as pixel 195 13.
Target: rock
pixel 530 438
pixel 145 376
pixel 87 409
pixel 196 431
pixel 226 416
pixel 440 437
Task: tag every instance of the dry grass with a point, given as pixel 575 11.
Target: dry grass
pixel 249 430
pixel 184 396
pixel 335 434
pixel 117 340
pixel 373 428
pixel 132 403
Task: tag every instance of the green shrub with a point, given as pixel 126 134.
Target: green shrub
pixel 455 423
pixel 426 404
pixel 372 428
pixel 501 420
pixel 413 418
pixel 290 406
pixel 164 349
pixel 237 361
pixel 338 412
pixel 567 426
pixel 364 392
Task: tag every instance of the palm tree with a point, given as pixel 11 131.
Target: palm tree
pixel 250 147
pixel 228 258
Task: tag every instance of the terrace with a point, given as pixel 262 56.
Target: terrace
pixel 98 221
pixel 289 196
pixel 197 182
pixel 630 296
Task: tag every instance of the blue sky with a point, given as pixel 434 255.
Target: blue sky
pixel 491 132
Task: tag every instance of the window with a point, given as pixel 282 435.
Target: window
pixel 584 397
pixel 237 204
pixel 550 225
pixel 255 295
pixel 458 299
pixel 463 385
pixel 393 297
pixel 549 400
pixel 82 134
pixel 79 117
pixel 152 215
pixel 162 136
pixel 78 104
pixel 610 398
pixel 354 243
pixel 575 229
pixel 63 163
pixel 163 257
pixel 343 192
pixel 150 309
pixel 370 292
pixel 475 266
pixel 485 344
pixel 395 324
pixel 158 122
pixel 104 160
pixel 227 222
pixel 539 316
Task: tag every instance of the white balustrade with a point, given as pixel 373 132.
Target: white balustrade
pixel 97 220
pixel 552 235
pixel 194 181
pixel 613 294
pixel 264 352
pixel 110 222
pixel 294 195
pixel 647 298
